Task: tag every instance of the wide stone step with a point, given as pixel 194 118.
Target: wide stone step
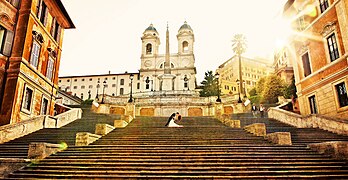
pixel 179 173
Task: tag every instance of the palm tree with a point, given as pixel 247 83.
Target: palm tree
pixel 239 47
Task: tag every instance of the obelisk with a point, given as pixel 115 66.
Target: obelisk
pixel 167 78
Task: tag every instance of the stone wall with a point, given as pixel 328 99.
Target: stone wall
pixel 13 131
pixel 334 125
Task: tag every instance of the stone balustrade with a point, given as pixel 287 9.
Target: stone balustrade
pixel 41 150
pixel 127 118
pixel 103 129
pixel 280 138
pixel 336 149
pixel 85 138
pixel 258 129
pixel 13 131
pixel 334 125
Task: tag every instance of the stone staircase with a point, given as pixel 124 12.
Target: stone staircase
pixel 18 148
pixel 299 136
pixel 203 148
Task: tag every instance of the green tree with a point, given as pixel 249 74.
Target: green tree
pixel 209 83
pixel 274 86
pixel 260 85
pixel 252 92
pixel 239 47
pixel 290 91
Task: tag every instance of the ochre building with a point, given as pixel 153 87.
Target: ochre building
pixel 31 35
pixel 318 49
pixel 252 70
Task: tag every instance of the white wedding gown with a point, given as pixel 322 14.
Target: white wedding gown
pixel 173 124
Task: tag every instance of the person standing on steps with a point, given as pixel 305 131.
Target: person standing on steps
pixel 254 110
pixel 262 111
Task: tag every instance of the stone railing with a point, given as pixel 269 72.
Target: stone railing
pixel 13 131
pixel 334 125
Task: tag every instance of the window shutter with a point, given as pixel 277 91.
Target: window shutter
pixel 8 43
pixel 38 8
pixel 58 33
pixel 53 27
pixel 46 15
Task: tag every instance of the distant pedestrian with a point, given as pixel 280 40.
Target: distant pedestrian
pixel 262 110
pixel 254 110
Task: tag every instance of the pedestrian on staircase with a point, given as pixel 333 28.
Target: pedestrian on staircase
pixel 262 110
pixel 254 110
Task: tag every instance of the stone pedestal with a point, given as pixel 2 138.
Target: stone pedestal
pixel 280 138
pixel 130 110
pixel 103 129
pixel 120 123
pixel 258 129
pixel 85 138
pixel 336 149
pixel 219 110
pixel 167 82
pixel 38 150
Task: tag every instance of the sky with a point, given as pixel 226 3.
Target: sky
pixel 108 32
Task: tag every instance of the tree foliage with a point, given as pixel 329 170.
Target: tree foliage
pixel 290 90
pixel 273 87
pixel 239 44
pixel 260 85
pixel 210 87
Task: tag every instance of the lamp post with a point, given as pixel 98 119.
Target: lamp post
pixel 239 100
pixel 131 76
pixel 104 85
pixel 217 75
pixel 98 85
pixel 244 89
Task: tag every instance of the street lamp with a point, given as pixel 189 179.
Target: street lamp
pixel 131 76
pixel 98 85
pixel 244 89
pixel 239 100
pixel 217 75
pixel 104 85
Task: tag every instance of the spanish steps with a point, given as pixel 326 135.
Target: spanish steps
pixel 203 148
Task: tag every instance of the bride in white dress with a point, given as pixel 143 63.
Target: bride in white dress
pixel 171 122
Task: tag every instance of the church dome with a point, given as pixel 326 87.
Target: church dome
pixel 151 28
pixel 185 26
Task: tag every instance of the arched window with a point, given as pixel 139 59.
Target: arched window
pixel 121 91
pixel 147 81
pixel 149 48
pixel 185 46
pixel 171 65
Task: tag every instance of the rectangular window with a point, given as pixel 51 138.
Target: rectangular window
pixel 55 30
pixel 138 85
pixel 27 99
pixel 6 40
pixel 121 91
pixel 44 106
pixel 324 4
pixel 122 82
pixel 75 87
pixel 50 66
pixel 82 87
pixel 113 85
pixel 42 12
pixel 35 54
pixel 306 64
pixel 313 105
pixel 90 86
pixel 342 94
pixel 333 48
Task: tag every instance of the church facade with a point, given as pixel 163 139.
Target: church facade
pixel 153 75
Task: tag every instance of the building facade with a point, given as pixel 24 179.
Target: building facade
pixel 252 70
pixel 319 53
pixel 31 32
pixel 150 78
pixel 283 65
